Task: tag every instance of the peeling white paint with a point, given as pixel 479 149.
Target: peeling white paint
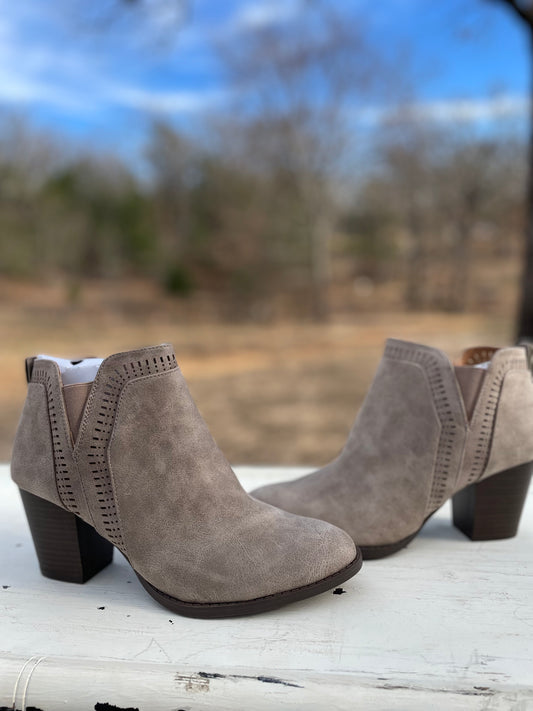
pixel 445 623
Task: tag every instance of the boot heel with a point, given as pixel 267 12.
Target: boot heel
pixel 492 508
pixel 68 549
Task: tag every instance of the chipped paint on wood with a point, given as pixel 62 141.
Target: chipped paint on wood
pixel 446 622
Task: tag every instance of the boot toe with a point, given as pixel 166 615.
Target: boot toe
pixel 338 551
pixel 322 551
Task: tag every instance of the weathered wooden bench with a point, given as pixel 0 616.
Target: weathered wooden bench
pixel 444 624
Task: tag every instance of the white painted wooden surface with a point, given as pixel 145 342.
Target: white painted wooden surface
pixel 445 623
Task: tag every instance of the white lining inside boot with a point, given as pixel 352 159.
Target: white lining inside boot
pixel 77 371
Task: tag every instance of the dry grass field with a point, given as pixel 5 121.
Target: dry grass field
pixel 283 393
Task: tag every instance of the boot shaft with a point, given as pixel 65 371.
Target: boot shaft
pixel 463 423
pixel 427 431
pixel 128 461
pixel 176 493
pixel 61 448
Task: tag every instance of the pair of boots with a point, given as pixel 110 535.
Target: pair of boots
pixel 114 453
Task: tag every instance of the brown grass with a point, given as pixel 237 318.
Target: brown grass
pixel 284 393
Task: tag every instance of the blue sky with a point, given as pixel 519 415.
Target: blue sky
pixel 469 64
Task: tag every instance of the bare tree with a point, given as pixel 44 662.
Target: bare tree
pixel 146 19
pixel 295 84
pixel 523 10
pixel 408 148
pixel 443 187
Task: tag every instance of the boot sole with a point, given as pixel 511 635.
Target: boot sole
pixel 214 610
pixel 488 510
pixel 70 550
pixel 375 552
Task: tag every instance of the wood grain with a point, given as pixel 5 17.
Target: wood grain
pixel 445 622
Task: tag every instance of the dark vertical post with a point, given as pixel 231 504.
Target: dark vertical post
pixel 525 316
pixel 523 9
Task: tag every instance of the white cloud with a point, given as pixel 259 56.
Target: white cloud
pixel 165 15
pixel 77 80
pixel 255 15
pixel 23 90
pixel 171 102
pixel 473 110
pixel 451 110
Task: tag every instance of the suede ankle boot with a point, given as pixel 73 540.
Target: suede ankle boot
pixel 427 431
pixel 125 460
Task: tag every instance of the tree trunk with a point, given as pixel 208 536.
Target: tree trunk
pixel 525 318
pixel 320 273
pixel 415 287
pixel 457 296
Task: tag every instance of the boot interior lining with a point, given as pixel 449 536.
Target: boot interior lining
pixel 77 370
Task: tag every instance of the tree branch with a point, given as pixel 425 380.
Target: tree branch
pixel 523 14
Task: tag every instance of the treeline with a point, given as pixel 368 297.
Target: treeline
pixel 426 206
pixel 280 201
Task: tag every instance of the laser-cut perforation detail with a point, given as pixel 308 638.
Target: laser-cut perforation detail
pixel 484 440
pixel 449 428
pixel 110 390
pixel 62 474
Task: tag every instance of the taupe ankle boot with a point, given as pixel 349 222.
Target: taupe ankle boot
pixel 127 461
pixel 428 431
